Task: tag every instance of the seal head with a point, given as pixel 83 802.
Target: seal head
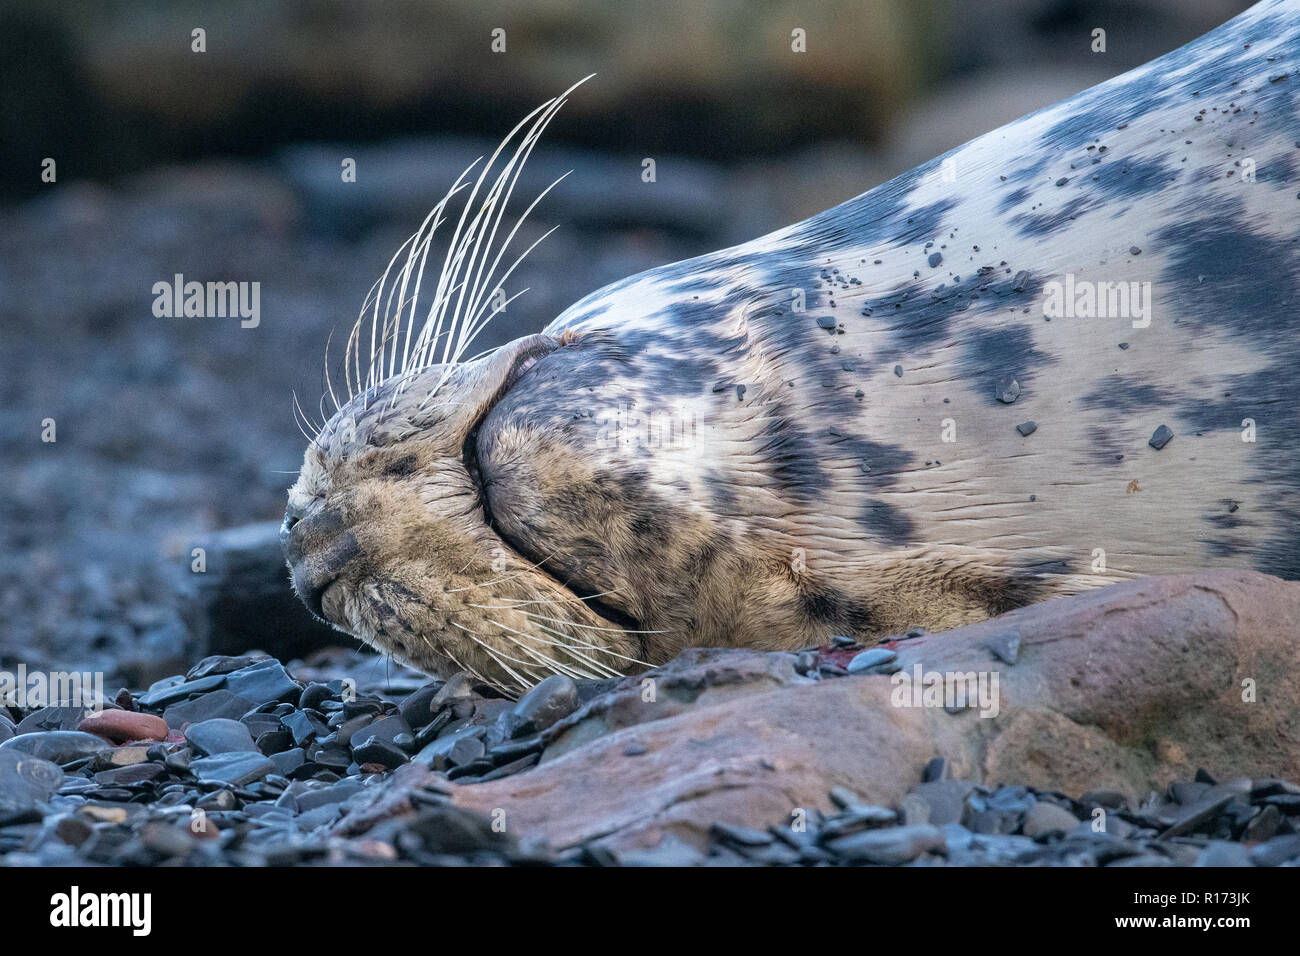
pixel 387 536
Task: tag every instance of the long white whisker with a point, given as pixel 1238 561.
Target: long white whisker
pixel 558 667
pixel 595 647
pixel 496 656
pixel 569 649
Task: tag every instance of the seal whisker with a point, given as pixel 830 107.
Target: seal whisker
pixel 594 627
pixel 471 587
pixel 569 647
pixel 558 667
pixel 497 656
pixel 297 413
pixel 596 647
pixel 501 191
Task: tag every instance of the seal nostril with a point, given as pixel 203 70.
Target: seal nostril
pixel 286 526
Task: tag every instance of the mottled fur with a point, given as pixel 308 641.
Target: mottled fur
pixel 813 492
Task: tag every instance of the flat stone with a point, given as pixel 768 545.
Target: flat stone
pixel 1044 818
pixel 439 754
pixel 377 751
pixel 26 782
pixel 313 695
pixel 1279 850
pixel 287 761
pixel 218 703
pixel 236 769
pixel 164 693
pixel 1198 813
pixel 221 664
pixel 860 817
pixel 1223 853
pixel 890 846
pixel 384 729
pixel 57 746
pixel 871 657
pixel 744 836
pixel 218 736
pixel 262 682
pixel 125 755
pixel 304 727
pixel 325 796
pixel 51 718
pixel 130 774
pixel 1263 826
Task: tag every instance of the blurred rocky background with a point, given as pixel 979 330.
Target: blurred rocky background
pixel 225 166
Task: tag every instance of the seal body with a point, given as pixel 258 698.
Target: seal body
pixel 811 432
pixel 1058 356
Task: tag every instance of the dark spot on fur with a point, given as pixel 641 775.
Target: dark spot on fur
pixel 401 467
pixel 887 522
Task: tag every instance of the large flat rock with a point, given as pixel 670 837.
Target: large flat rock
pixel 1127 687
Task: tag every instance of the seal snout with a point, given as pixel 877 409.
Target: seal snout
pixel 317 548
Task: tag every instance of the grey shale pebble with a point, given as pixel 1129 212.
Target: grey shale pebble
pixel 871 657
pixel 51 718
pixel 233 769
pixel 1044 818
pixel 218 703
pixel 264 681
pixel 218 736
pixel 61 747
pixel 1007 390
pixel 26 782
pixel 1279 850
pixel 1005 646
pixel 174 689
pixel 546 703
pixel 1161 437
pixel 889 846
pixel 1223 853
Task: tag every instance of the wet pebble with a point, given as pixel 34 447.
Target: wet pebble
pixel 232 769
pixel 1044 818
pixel 873 657
pixel 890 846
pixel 218 736
pixel 546 703
pixel 61 747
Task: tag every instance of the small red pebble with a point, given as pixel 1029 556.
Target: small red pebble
pixel 121 726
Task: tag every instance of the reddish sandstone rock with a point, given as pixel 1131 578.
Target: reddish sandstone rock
pixel 120 726
pixel 1125 687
